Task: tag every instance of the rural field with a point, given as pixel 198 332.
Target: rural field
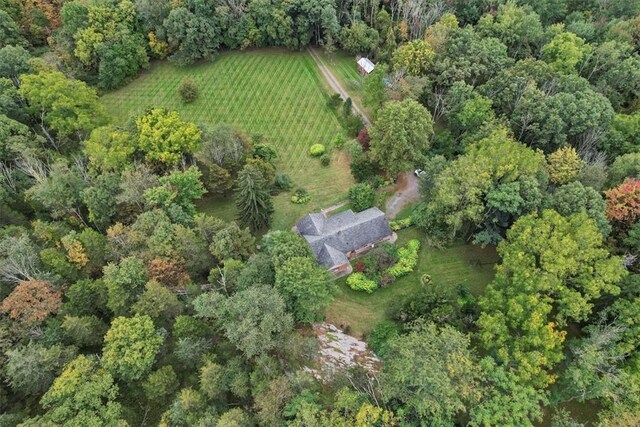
pixel 469 265
pixel 275 93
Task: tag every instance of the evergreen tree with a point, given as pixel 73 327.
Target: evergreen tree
pixel 253 199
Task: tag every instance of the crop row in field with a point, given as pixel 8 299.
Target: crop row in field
pixel 275 93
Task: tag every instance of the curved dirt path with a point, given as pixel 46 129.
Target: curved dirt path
pixel 407 192
pixel 335 84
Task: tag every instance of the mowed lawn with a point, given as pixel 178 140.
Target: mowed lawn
pixel 461 264
pixel 272 92
pixel 343 66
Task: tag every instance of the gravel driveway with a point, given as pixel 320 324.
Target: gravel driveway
pixel 407 193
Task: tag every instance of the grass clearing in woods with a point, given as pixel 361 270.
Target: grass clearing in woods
pixel 272 92
pixel 461 264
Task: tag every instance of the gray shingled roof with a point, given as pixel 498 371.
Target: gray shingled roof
pixel 331 238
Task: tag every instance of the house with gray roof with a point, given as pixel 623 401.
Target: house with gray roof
pixel 336 239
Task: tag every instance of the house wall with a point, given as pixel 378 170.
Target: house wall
pixel 341 270
pixel 363 250
pixel 346 269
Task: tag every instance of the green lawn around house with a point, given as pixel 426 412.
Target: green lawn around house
pixel 459 264
pixel 272 92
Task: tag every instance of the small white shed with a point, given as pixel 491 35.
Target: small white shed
pixel 365 65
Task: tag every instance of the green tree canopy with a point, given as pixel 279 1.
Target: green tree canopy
pixel 68 107
pixel 84 394
pixel 176 194
pixel 518 27
pixel 496 176
pixel 164 137
pixel 193 36
pixel 306 288
pixel 255 319
pixel 553 269
pixel 565 51
pixel 130 347
pixel 253 199
pixel 400 136
pixel 439 384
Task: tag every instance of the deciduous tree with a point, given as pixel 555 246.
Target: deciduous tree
pixel 161 384
pixel 164 137
pixel 575 197
pixel 158 302
pixel 439 384
pixel 306 288
pixel 491 185
pixel 31 369
pixel 565 51
pixel 400 136
pixel 518 27
pixel 192 36
pixel 564 165
pixel 255 320
pixel 125 282
pixel 362 196
pixel 130 347
pixel 31 302
pixel 68 107
pixel 14 61
pixel 359 38
pixel 553 269
pixel 176 194
pixel 623 202
pixel 413 57
pixel 83 394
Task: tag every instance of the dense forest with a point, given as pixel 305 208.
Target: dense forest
pixel 123 304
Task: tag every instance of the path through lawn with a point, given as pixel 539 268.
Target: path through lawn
pixel 463 264
pixel 272 92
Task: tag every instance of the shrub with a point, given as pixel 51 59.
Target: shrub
pixel 360 282
pixel 401 224
pixel 386 280
pixel 325 159
pixel 317 150
pixel 381 335
pixel 408 259
pixel 188 91
pixel 384 256
pixel 362 197
pixel 362 169
pixel 353 149
pixel 339 141
pixel 265 152
pixel 300 197
pixel 352 124
pixel 364 139
pixel 334 101
pixel 283 182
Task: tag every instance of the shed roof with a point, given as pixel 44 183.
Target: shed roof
pixel 366 64
pixel 333 237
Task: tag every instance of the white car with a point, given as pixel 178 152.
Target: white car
pixel 419 172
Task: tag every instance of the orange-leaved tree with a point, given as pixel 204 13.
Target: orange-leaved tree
pixel 623 202
pixel 31 302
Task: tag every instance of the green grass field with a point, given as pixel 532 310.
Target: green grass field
pixel 462 264
pixel 343 66
pixel 272 92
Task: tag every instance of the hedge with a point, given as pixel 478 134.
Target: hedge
pixel 360 282
pixel 401 224
pixel 408 259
